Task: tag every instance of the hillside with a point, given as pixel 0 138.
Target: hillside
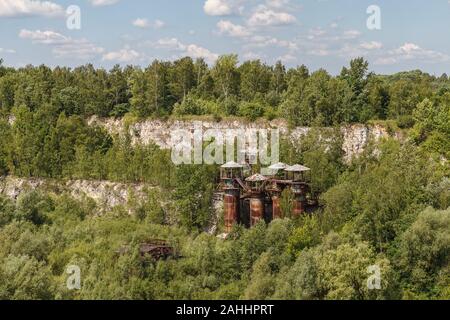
pixel 88 180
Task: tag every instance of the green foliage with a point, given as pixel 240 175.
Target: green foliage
pixel 193 194
pixel 372 210
pixel 251 110
pixel 424 254
pixel 225 88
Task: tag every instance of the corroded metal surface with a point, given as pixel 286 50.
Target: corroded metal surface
pixel 256 210
pixel 231 208
pixel 276 208
pixel 298 208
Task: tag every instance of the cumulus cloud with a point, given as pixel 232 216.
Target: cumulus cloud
pixel 351 34
pixel 412 51
pixel 196 51
pixel 191 50
pixel 372 45
pixel 287 58
pixel 26 8
pixel 218 7
pixel 144 23
pixel 170 44
pixel 277 3
pixel 141 23
pixel 264 16
pixel 125 55
pixel 233 30
pixel 267 41
pixel 62 46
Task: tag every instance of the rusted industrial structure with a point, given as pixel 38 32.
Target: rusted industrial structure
pixel 155 248
pixel 252 197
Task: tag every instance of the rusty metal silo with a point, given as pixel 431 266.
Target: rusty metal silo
pixel 276 207
pixel 299 187
pixel 276 188
pixel 231 209
pixel 256 184
pixel 256 210
pixel 230 175
pixel 298 207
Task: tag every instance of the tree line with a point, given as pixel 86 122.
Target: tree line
pixel 251 89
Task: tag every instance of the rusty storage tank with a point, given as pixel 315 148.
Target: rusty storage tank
pixel 231 209
pixel 230 176
pixel 298 207
pixel 275 190
pixel 276 207
pixel 256 211
pixel 256 184
pixel 297 175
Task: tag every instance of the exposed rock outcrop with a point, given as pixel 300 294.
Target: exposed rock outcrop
pixel 106 194
pixel 160 132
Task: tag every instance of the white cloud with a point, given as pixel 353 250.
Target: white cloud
pixel 141 23
pixel 9 51
pixel 24 8
pixel 372 45
pixel 228 28
pixel 319 52
pixel 101 3
pixel 218 7
pixel 144 23
pixel 43 37
pixel 63 46
pixel 264 16
pixel 125 55
pixel 195 51
pixel 158 24
pixel 191 50
pixel 170 44
pixel 263 41
pixel 414 51
pixel 287 58
pixel 408 49
pixel 351 34
pixel 411 51
pixel 315 33
pixel 277 3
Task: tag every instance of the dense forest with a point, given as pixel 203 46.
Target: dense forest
pixel 388 207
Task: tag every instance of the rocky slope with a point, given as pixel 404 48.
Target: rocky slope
pixel 106 194
pixel 159 131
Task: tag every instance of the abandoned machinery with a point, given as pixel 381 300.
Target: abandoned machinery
pixel 258 197
pixel 154 248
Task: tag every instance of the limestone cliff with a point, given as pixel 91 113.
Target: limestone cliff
pixel 159 131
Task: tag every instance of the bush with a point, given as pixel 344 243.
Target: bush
pixel 405 122
pixel 251 110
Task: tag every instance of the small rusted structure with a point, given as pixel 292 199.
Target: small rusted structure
pixel 259 196
pixel 297 175
pixel 275 188
pixel 157 249
pixel 255 186
pixel 231 174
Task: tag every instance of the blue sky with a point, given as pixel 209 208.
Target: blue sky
pixel 318 33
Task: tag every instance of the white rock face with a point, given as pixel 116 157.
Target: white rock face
pixel 160 132
pixel 105 193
